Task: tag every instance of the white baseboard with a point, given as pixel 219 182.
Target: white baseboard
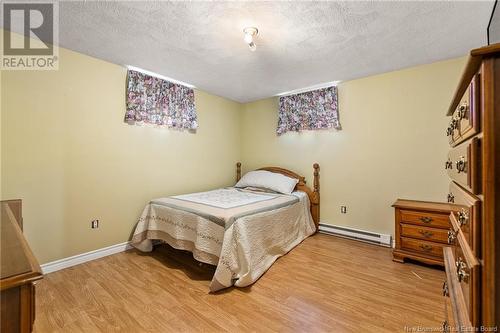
pixel 381 239
pixel 84 257
pixel 356 234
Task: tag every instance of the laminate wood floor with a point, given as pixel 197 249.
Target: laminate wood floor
pixel 326 284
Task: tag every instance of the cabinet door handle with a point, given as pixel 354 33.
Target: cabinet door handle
pixel 426 247
pixel 426 219
pixel 452 235
pixel 448 165
pixel 463 217
pixel 462 270
pixel 461 165
pixel 462 111
pixel 463 276
pixel 446 326
pixel 426 233
pixel 445 289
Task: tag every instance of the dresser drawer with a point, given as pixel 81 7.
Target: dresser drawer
pixel 467 267
pixel 448 324
pixel 463 165
pixel 456 226
pixel 421 246
pixel 468 216
pixel 426 233
pixel 458 317
pixel 427 219
pixel 465 120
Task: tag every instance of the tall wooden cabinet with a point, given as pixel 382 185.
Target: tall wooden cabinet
pixel 472 259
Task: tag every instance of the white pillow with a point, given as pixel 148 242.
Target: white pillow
pixel 270 180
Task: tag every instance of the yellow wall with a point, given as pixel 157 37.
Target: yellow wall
pixel 68 154
pixel 392 145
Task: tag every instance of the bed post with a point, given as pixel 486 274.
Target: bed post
pixel 315 201
pixel 238 171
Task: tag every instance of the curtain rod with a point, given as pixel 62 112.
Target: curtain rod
pixel 310 88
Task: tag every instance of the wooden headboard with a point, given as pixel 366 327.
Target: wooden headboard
pixel 313 193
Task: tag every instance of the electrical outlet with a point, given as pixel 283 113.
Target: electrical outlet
pixel 343 209
pixel 94 224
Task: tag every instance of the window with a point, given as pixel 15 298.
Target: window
pixel 317 109
pixel 152 100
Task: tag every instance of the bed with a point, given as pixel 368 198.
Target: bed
pixel 241 231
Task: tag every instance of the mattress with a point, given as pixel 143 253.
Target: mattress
pixel 242 232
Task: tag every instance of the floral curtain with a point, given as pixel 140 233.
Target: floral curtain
pixel 151 100
pixel 317 109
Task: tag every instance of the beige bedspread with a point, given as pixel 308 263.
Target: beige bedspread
pixel 243 241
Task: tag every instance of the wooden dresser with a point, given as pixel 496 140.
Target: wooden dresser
pixel 421 230
pixel 472 287
pixel 18 272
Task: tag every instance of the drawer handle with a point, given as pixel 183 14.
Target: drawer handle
pixel 461 165
pixel 451 197
pixel 448 165
pixel 426 233
pixel 461 270
pixel 446 326
pixel 426 219
pixel 462 110
pixel 449 131
pixel 445 289
pixel 426 247
pixel 452 235
pixel 463 217
pixel 454 125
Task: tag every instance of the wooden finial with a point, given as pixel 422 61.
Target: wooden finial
pixel 315 202
pixel 316 177
pixel 238 171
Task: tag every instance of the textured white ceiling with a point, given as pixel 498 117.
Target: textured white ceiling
pixel 299 44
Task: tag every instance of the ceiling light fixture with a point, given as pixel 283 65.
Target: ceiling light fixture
pixel 250 33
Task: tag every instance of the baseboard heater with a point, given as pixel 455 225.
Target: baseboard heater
pixel 361 235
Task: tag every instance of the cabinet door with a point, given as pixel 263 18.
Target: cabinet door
pixel 464 165
pixel 465 122
pixel 453 290
pixel 467 216
pixel 27 317
pixel 468 271
pixel 11 310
